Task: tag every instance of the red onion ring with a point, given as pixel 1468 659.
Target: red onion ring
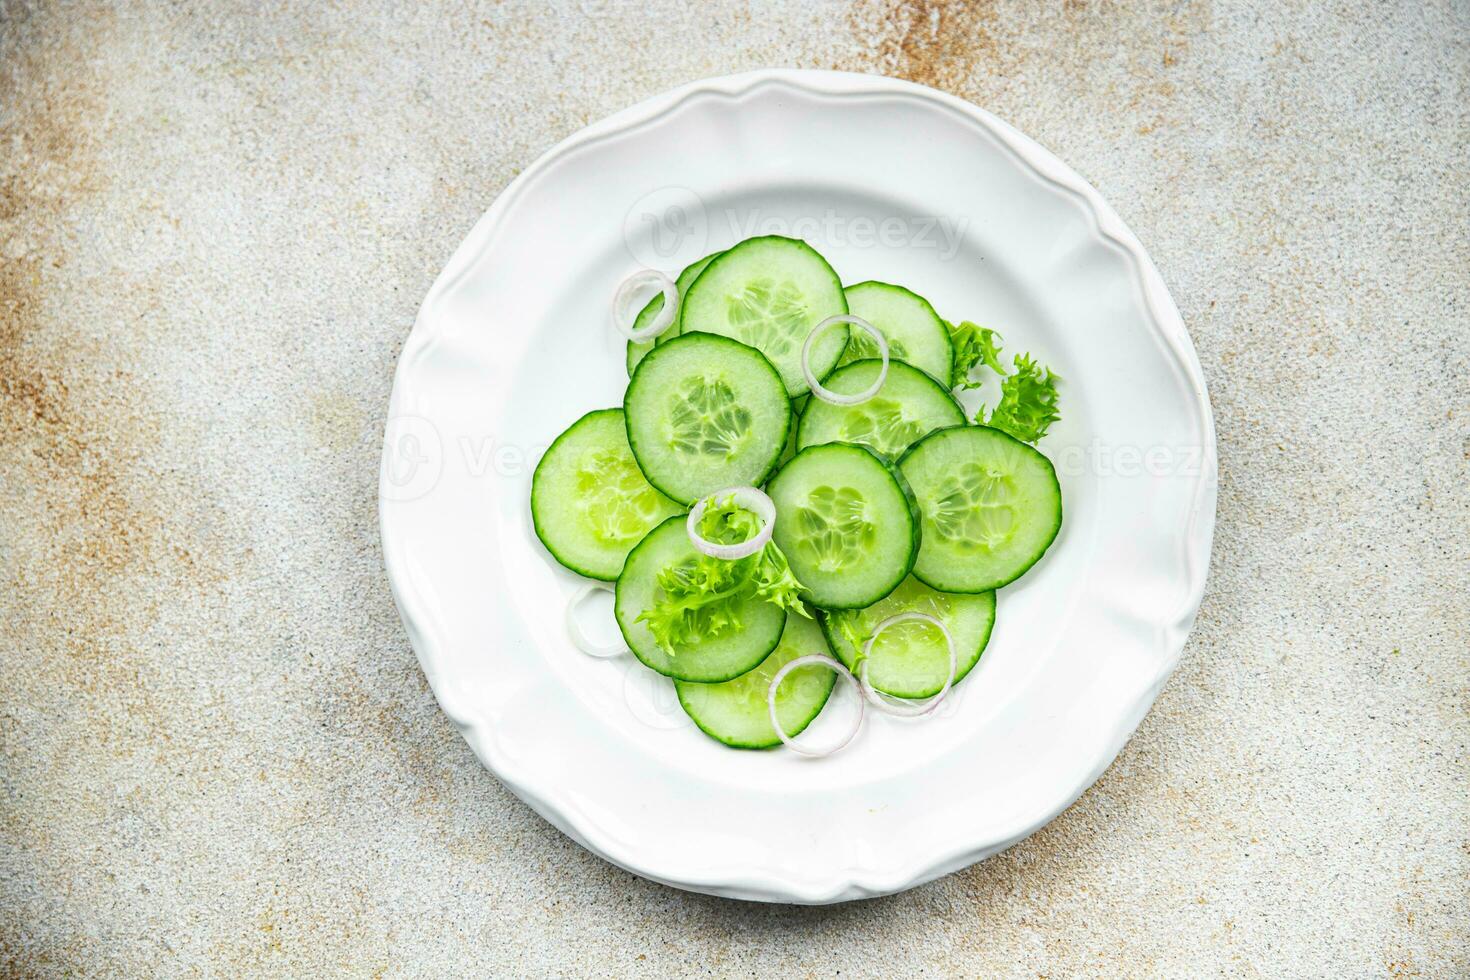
pixel 903 707
pixel 827 394
pixel 623 317
pixel 788 741
pixel 581 640
pixel 750 499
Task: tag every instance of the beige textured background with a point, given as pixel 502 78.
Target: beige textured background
pixel 219 755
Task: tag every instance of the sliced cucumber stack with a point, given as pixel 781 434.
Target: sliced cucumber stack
pixel 725 653
pixel 589 501
pixel 847 523
pixel 883 513
pixel 769 293
pixel 915 333
pixel 704 413
pixel 637 349
pixel 991 507
pixel 736 712
pixel 911 660
pixel 909 406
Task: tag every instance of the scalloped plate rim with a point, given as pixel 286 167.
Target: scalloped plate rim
pixel 773 884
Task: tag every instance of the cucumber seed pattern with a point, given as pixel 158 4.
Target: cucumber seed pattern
pixel 880 424
pixel 705 419
pixel 803 682
pixel 615 499
pixel 768 316
pixel 973 509
pixel 861 347
pixel 910 596
pixel 833 528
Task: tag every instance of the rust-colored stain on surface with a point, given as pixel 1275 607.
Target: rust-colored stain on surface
pixel 73 429
pixel 941 43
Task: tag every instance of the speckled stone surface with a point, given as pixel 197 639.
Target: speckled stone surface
pixel 219 755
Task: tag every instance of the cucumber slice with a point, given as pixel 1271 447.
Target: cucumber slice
pixel 910 660
pixel 798 405
pixel 637 349
pixel 722 657
pixel 847 522
pixel 705 413
pixel 789 450
pixel 909 406
pixel 589 501
pixel 736 712
pixel 915 333
pixel 991 506
pixel 769 293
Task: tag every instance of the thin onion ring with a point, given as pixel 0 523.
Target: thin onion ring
pixel 582 641
pixel 902 707
pixel 787 740
pixel 827 394
pixel 749 498
pixel 623 298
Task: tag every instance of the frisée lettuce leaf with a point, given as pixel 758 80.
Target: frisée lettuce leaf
pixel 700 598
pixel 1028 397
pixel 974 345
pixel 1028 401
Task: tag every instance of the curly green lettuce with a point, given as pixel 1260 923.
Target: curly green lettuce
pixel 1028 401
pixel 700 598
pixel 1028 397
pixel 974 345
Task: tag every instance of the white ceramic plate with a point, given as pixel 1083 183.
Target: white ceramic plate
pixel 888 180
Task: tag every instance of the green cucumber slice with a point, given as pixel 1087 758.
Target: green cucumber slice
pixel 736 712
pixel 910 660
pixel 789 450
pixel 915 333
pixel 589 501
pixel 847 523
pixel 705 413
pixel 769 293
pixel 798 405
pixel 637 349
pixel 908 407
pixel 718 658
pixel 991 507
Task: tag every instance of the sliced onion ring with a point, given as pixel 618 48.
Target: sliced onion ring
pixel 580 639
pixel 827 394
pixel 903 707
pixel 787 740
pixel 623 316
pixel 750 499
